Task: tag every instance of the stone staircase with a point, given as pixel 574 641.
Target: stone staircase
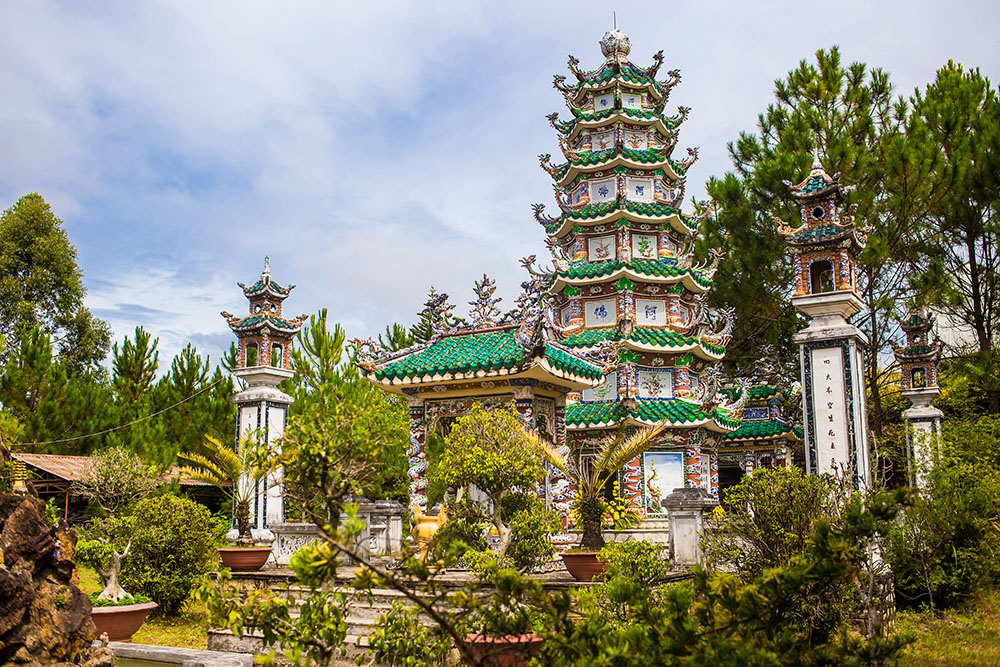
pixel 363 615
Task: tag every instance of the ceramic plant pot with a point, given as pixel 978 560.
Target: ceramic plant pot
pixel 249 559
pixel 583 565
pixel 120 623
pixel 504 651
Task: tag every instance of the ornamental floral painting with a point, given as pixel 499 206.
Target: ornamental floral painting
pixel 662 473
pixel 636 140
pixel 644 246
pixel 602 141
pixel 655 383
pixel 606 392
pixel 601 248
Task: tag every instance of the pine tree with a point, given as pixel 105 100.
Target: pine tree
pixel 958 118
pixel 849 114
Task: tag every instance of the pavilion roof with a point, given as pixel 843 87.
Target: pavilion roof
pixel 481 352
pixel 772 429
pixel 674 411
pixel 645 337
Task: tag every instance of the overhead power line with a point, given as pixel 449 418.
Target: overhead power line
pixel 123 426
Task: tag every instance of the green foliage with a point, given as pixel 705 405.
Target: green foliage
pixel 957 119
pixel 115 479
pixel 49 399
pixel 464 531
pixel 41 286
pixel 772 514
pixel 131 599
pixel 531 525
pixel 400 639
pixel 489 448
pixel 344 436
pixel 717 619
pixel 52 513
pixel 224 467
pixel 593 472
pixel 638 561
pixel 173 544
pixel 946 545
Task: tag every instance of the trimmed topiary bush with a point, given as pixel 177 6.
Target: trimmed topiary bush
pixel 173 545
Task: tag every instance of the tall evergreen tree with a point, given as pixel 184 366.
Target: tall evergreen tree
pixel 53 404
pixel 958 117
pixel 41 285
pixel 849 115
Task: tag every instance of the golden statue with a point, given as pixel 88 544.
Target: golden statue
pixel 425 526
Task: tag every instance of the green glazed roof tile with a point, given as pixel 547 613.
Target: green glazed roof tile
pixel 759 430
pixel 646 267
pixel 647 335
pixel 479 351
pixel 672 411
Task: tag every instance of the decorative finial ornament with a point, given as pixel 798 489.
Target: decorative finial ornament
pixel 266 273
pixel 817 165
pixel 615 43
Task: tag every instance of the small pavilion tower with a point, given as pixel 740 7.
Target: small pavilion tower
pixel 918 359
pixel 824 250
pixel 263 361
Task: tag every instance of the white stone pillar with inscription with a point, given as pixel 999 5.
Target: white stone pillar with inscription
pixel 833 388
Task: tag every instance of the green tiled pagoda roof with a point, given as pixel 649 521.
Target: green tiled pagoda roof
pixel 818 233
pixel 260 320
pixel 482 351
pixel 763 430
pixel 673 411
pixel 647 335
pixel 646 267
pixel 570 363
pixel 597 157
pixel 594 211
pixel 567 126
pixel 260 287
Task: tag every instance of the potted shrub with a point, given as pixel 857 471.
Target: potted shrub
pixel 238 473
pixel 501 624
pixel 592 474
pixel 115 479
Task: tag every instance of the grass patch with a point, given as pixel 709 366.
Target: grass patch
pixel 968 636
pixel 188 630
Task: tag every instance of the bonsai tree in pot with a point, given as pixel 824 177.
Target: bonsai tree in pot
pixel 593 472
pixel 116 479
pixel 491 449
pixel 237 473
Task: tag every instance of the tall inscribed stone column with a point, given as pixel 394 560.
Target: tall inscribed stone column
pixel 824 247
pixel 263 362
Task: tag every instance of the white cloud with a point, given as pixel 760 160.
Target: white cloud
pixel 371 149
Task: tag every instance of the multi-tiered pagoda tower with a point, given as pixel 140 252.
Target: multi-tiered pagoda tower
pixel 264 337
pixel 626 276
pixel 918 359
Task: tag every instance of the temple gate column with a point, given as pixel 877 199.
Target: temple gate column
pixel 417 454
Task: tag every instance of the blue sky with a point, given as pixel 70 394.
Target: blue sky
pixel 371 149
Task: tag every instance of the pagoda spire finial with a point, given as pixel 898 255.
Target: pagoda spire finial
pixel 266 273
pixel 817 165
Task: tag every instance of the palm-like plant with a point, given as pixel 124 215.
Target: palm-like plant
pixel 237 472
pixel 593 473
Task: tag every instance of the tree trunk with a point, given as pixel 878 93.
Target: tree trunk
pixel 112 589
pixel 503 530
pixel 593 536
pixel 245 538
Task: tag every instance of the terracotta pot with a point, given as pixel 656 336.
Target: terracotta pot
pixel 504 651
pixel 248 559
pixel 121 622
pixel 583 565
